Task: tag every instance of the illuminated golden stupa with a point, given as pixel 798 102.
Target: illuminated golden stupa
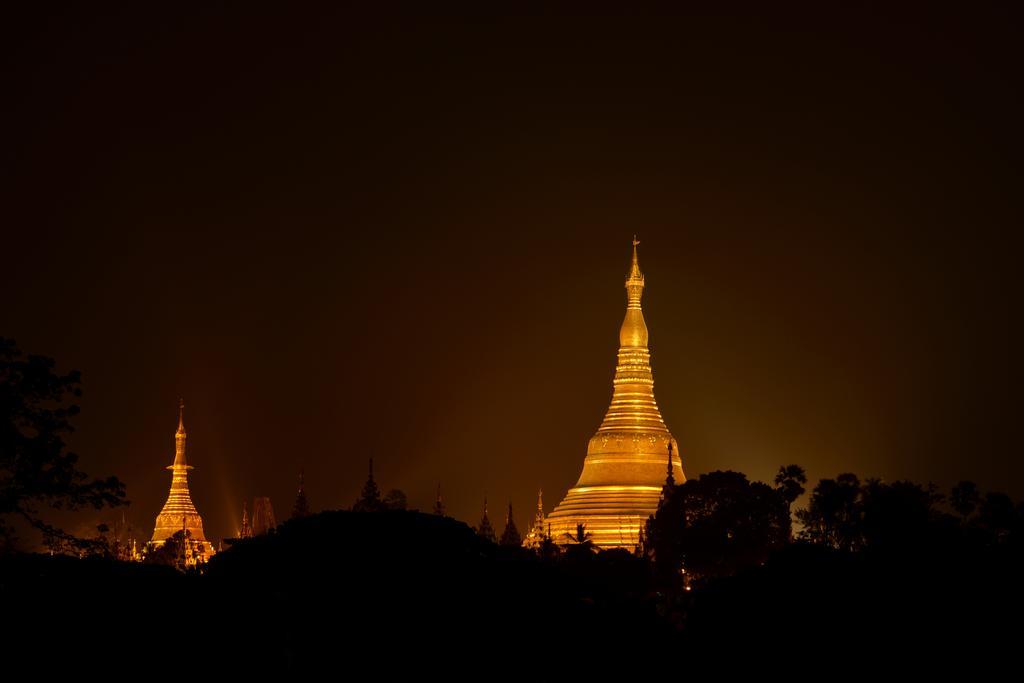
pixel 627 459
pixel 178 512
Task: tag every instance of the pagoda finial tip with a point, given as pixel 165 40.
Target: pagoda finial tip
pixel 181 416
pixel 634 268
pixel 635 278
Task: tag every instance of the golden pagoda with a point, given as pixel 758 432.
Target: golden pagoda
pixel 625 468
pixel 178 512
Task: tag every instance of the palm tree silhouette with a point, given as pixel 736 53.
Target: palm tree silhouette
pixel 582 539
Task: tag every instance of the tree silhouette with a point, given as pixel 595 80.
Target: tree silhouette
pixel 580 546
pixel 893 517
pixel 789 481
pixel 394 500
pixel 171 552
pixel 896 516
pixel 99 545
pixel 716 525
pixel 964 498
pixel 998 516
pixel 35 469
pixel 833 513
pixel 582 537
pixel 549 549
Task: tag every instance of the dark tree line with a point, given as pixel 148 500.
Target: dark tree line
pixel 719 523
pixel 847 514
pixel 716 525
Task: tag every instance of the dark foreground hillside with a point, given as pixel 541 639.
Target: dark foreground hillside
pixel 333 589
pixel 922 608
pixel 414 594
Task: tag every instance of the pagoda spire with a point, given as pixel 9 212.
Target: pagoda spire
pixel 510 536
pixel 485 529
pixel 633 407
pixel 634 270
pixel 670 479
pixel 369 500
pixel 535 535
pixel 179 438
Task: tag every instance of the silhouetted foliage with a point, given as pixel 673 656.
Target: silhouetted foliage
pixel 36 408
pixel 999 517
pixel 394 500
pixel 964 498
pixel 897 515
pixel 582 537
pixel 98 546
pixel 832 516
pixel 789 482
pixel 549 549
pixel 171 552
pixel 901 516
pixel 884 596
pixel 716 525
pixel 579 546
pixel 885 568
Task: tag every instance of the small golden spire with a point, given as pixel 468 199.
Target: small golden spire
pixel 181 416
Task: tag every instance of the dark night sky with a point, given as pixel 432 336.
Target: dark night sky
pixel 405 236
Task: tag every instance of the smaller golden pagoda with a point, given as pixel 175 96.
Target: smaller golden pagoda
pixel 535 536
pixel 179 513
